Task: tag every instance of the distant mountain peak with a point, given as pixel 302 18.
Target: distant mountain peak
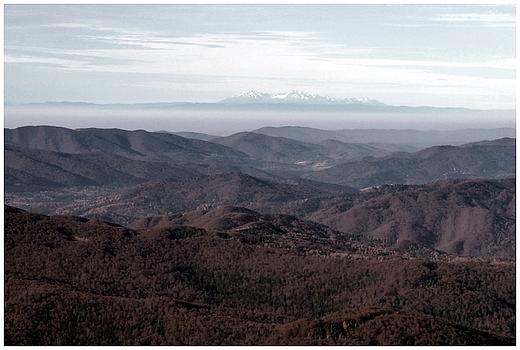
pixel 295 96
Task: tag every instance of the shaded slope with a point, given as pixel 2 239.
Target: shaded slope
pixel 391 136
pixel 138 144
pixel 379 327
pixel 464 217
pixel 165 321
pixel 206 192
pixel 33 169
pixel 304 134
pixel 492 160
pixel 289 151
pixel 275 149
pixel 236 219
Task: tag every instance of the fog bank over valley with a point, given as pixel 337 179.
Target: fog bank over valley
pixel 224 120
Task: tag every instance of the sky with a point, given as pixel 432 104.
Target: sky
pixel 414 55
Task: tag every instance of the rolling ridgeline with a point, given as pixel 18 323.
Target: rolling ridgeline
pixel 134 237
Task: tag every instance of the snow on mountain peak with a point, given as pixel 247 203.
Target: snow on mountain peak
pixel 295 96
pixel 250 94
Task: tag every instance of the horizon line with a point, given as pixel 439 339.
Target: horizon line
pixel 236 104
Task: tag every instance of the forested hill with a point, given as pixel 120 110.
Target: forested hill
pixel 74 281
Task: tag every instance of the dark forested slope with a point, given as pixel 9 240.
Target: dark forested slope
pixel 289 151
pixel 491 160
pixel 76 281
pixel 137 144
pixel 167 196
pixel 27 169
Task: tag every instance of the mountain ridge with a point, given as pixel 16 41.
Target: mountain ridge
pixel 405 136
pixel 295 96
pixel 330 104
pixel 195 193
pixel 135 144
pixel 492 160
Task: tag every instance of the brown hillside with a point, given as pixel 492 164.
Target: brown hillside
pixel 71 280
pixel 79 318
pixel 379 327
pixel 463 217
pixel 197 193
pixel 233 218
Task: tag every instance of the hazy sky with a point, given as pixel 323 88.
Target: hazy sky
pixel 439 55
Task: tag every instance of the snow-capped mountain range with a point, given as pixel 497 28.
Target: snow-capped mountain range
pixel 295 96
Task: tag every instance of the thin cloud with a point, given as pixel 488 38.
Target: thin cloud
pixel 486 18
pixel 330 54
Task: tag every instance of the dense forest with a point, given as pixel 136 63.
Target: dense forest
pixel 74 281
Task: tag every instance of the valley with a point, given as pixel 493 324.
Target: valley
pixel 277 236
pixel 259 174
